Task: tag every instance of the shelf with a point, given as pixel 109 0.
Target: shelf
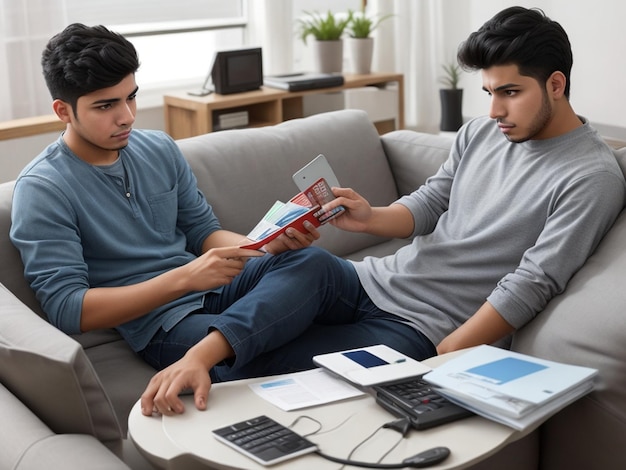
pixel 188 116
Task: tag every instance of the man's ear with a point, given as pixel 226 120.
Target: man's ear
pixel 556 85
pixel 63 110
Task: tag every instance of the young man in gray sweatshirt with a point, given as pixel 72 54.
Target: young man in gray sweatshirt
pixel 524 198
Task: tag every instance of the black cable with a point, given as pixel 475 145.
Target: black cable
pixel 423 459
pixel 355 448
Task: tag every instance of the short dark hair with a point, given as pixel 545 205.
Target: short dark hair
pixel 519 36
pixel 82 59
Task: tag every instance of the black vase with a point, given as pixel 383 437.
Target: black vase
pixel 451 109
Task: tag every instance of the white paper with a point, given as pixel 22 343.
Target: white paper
pixel 304 389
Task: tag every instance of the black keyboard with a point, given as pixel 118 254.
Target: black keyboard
pixel 264 440
pixel 416 400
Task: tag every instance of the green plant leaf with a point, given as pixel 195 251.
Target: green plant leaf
pixel 322 28
pixel 362 26
pixel 452 74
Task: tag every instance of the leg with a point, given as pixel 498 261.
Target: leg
pixel 274 300
pixel 372 326
pixel 284 296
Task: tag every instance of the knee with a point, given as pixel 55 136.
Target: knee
pixel 314 266
pixel 312 254
pixel 309 260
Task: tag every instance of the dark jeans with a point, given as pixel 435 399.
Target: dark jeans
pixel 283 310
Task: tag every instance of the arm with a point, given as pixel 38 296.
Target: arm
pixel 486 326
pixel 107 307
pixel 221 261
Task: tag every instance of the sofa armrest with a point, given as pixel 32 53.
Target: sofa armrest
pixel 49 372
pixel 27 443
pixel 68 452
pixel 414 156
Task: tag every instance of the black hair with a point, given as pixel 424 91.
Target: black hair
pixel 82 59
pixel 519 36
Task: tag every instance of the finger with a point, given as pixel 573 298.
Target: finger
pixel 148 406
pixel 312 231
pixel 295 239
pixel 246 253
pixel 200 395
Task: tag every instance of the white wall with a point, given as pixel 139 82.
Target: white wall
pixel 597 33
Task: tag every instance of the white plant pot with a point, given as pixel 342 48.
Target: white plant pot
pixel 360 51
pixel 328 56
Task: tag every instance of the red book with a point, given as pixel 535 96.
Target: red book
pixel 304 206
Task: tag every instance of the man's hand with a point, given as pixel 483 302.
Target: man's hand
pixel 189 372
pixel 357 214
pixel 217 267
pixel 393 221
pixel 293 239
pixel 161 394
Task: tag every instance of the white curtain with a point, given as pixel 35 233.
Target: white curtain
pixel 270 26
pixel 22 38
pixel 415 45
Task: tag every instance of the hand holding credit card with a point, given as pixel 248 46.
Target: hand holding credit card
pixel 304 206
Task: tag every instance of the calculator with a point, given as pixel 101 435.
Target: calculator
pixel 264 440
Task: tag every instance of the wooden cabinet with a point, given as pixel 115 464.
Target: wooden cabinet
pixel 187 116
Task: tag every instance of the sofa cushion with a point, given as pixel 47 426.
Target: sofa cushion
pixel 49 372
pixel 243 172
pixel 403 148
pixel 586 325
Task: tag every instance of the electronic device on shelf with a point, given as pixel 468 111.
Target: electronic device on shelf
pixel 234 71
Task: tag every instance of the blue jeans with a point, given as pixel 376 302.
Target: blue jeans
pixel 283 310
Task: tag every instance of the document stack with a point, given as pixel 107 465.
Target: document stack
pixel 514 389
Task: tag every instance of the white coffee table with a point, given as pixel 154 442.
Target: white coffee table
pixel 185 441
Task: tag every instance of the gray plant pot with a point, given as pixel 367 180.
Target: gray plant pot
pixel 328 56
pixel 360 53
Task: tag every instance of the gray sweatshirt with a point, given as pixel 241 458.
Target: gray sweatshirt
pixel 500 222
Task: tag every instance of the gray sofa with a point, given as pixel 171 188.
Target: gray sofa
pixel 64 401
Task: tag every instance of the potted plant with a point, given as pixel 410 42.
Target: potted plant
pixel 327 31
pixel 361 45
pixel 451 98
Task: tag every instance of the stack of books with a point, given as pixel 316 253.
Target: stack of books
pixel 232 120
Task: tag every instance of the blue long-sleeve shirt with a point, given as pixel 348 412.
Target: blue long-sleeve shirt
pixel 79 226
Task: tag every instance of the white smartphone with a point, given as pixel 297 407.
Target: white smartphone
pixel 313 171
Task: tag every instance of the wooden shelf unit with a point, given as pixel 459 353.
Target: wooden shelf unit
pixel 25 127
pixel 188 116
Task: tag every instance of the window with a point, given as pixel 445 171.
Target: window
pixel 175 41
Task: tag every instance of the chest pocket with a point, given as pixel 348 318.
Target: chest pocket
pixel 164 207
